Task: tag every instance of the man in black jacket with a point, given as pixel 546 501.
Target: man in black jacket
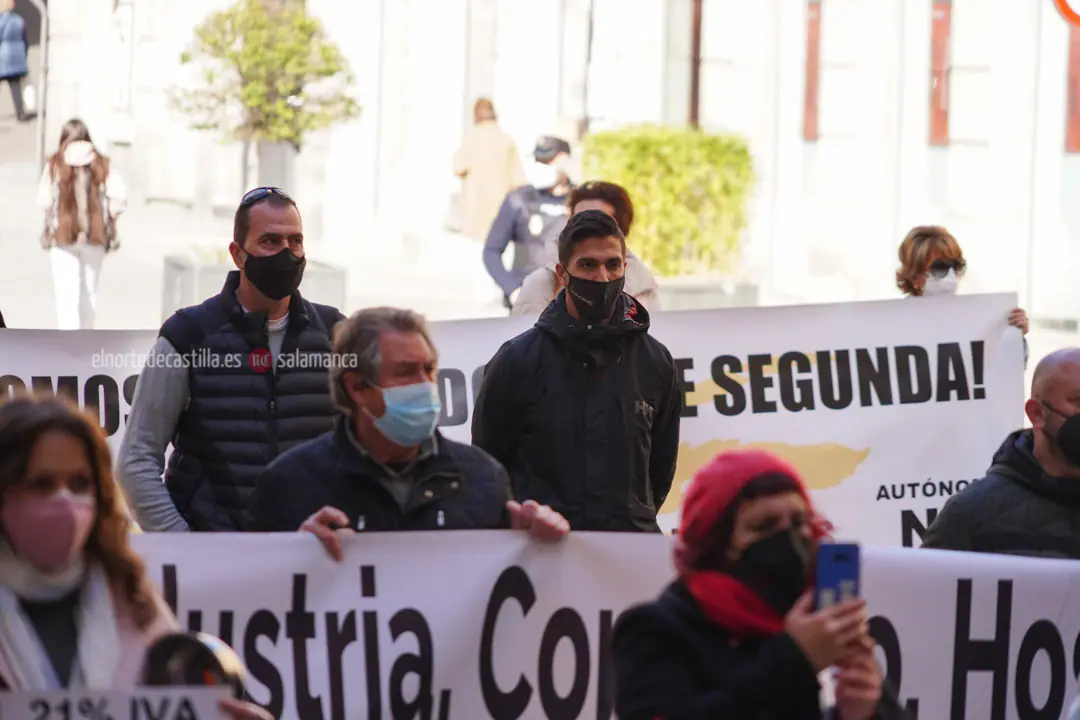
pixel 230 383
pixel 583 409
pixel 1029 501
pixel 384 466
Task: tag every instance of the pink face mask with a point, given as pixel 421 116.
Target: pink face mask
pixel 49 533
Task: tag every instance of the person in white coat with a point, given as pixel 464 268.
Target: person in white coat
pixel 541 286
pixel 489 166
pixel 82 199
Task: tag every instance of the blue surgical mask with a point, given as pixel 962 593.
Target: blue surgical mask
pixel 412 413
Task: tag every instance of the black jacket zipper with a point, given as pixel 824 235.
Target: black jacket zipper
pixel 272 429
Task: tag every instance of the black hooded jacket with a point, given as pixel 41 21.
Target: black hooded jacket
pixel 1016 509
pixel 585 419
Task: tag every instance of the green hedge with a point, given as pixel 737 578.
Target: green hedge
pixel 689 189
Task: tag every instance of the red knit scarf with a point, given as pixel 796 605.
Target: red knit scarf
pixel 733 606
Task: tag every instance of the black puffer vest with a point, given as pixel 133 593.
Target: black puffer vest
pixel 240 418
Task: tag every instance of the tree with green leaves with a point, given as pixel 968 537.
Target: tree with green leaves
pixel 267 73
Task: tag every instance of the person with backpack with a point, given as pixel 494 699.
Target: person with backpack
pixel 231 383
pixel 82 198
pixel 531 217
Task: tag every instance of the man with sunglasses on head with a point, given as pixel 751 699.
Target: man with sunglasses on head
pixel 231 383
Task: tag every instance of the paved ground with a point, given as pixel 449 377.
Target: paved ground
pixel 449 282
pixel 441 276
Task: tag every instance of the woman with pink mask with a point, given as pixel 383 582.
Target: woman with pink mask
pixel 77 610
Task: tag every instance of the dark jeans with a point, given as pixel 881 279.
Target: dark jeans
pixel 17 98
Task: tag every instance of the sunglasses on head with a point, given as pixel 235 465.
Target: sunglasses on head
pixel 261 193
pixel 941 268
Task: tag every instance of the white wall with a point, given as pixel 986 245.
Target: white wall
pixel 338 171
pixel 526 92
pixel 1053 235
pixel 826 216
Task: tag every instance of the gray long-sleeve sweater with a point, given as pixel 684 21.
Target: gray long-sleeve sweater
pixel 161 397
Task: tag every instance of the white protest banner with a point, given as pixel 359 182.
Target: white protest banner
pixel 493 625
pixel 142 704
pixel 983 637
pixel 451 625
pixel 887 408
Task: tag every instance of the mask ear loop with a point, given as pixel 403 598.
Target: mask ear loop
pixel 363 385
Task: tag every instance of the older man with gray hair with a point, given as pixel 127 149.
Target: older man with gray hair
pixel 384 466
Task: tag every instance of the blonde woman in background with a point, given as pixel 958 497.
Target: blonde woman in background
pixel 82 198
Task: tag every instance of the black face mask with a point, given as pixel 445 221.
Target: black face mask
pixel 595 301
pixel 275 276
pixel 1068 436
pixel 777 568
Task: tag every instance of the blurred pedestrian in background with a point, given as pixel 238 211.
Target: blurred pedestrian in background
pixel 531 217
pixel 82 198
pixel 13 56
pixel 489 166
pixel 542 285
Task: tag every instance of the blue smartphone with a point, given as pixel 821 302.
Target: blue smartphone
pixel 838 571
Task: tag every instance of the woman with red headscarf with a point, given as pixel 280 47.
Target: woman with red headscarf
pixel 736 636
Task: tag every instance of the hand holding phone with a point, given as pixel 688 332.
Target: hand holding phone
pixel 838 574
